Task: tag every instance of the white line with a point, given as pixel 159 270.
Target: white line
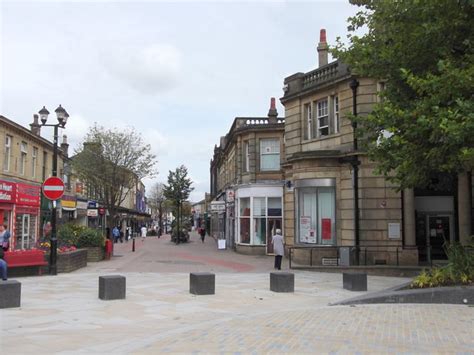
pixel 53 188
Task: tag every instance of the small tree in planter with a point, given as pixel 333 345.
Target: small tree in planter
pixel 94 242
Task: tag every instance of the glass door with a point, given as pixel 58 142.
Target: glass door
pixel 25 231
pixel 439 232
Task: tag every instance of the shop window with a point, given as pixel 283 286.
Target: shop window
pixel 7 152
pixel 244 217
pixel 316 216
pixel 266 216
pixel 269 154
pixel 25 231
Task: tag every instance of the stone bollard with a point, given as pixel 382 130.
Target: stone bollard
pixel 354 281
pixel 10 294
pixel 282 282
pixel 202 283
pixel 112 287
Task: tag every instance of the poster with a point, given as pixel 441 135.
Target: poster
pixel 307 235
pixel 326 228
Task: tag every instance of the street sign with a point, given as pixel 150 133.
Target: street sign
pixel 53 188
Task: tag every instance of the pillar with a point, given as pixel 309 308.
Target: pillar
pixel 464 208
pixel 409 217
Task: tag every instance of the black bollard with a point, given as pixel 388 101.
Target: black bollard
pixel 133 244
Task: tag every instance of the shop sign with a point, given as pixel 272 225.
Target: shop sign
pixel 7 191
pixel 218 206
pixel 81 205
pixel 28 195
pixel 92 213
pixel 68 201
pixel 79 187
pixel 92 204
pixel 230 196
pixel 101 211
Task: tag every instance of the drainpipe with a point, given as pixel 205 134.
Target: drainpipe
pixel 355 166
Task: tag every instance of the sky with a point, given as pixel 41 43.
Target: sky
pixel 177 72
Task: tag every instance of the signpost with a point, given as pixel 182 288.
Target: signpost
pixel 53 188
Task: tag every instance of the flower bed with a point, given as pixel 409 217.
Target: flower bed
pixel 95 254
pixel 68 261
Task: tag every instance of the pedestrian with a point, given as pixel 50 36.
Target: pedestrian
pixel 4 237
pixel 116 235
pixel 278 248
pixel 3 266
pixel 202 232
pixel 143 232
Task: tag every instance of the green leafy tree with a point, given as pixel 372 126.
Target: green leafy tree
pixel 423 51
pixel 178 190
pixel 110 162
pixel 157 200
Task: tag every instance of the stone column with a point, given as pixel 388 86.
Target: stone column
pixel 464 208
pixel 409 217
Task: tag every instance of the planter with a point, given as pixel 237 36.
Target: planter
pixel 69 261
pixel 95 254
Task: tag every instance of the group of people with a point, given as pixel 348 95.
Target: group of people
pixel 119 236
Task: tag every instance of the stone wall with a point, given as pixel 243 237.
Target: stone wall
pixel 72 260
pixel 95 254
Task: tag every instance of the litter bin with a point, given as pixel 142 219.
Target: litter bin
pixel 108 249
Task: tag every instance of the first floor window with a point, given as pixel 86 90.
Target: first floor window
pixel 269 154
pixel 316 215
pixel 336 114
pixel 7 153
pixel 323 118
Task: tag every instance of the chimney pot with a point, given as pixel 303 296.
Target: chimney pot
pixel 272 113
pixel 323 48
pixel 322 36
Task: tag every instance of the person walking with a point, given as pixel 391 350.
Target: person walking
pixel 116 235
pixel 202 233
pixel 143 231
pixel 278 248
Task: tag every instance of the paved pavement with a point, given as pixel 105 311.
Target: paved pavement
pixel 62 314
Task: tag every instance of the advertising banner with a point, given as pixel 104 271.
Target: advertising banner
pixel 28 195
pixel 7 191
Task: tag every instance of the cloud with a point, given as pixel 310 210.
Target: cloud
pixel 149 70
pixel 76 129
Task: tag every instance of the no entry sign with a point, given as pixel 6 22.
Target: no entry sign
pixel 53 188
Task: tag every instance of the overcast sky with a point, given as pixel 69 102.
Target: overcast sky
pixel 178 72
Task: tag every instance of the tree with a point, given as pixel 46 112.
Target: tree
pixel 423 51
pixel 111 162
pixel 178 190
pixel 157 199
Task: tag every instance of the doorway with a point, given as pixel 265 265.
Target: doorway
pixel 432 231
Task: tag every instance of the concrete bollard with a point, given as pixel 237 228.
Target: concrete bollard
pixel 282 282
pixel 202 283
pixel 354 281
pixel 10 294
pixel 112 287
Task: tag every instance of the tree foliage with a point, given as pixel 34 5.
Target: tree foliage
pixel 423 51
pixel 157 200
pixel 111 162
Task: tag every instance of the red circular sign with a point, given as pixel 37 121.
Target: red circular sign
pixel 53 188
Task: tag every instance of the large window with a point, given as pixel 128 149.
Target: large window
pixel 269 154
pixel 7 153
pixel 259 219
pixel 323 118
pixel 23 152
pixel 316 215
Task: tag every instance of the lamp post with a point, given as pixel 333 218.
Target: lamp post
pixel 62 117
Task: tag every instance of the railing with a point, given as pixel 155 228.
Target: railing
pixel 246 122
pixel 323 74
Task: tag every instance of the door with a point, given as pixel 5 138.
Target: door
pixel 25 232
pixel 273 225
pixel 439 232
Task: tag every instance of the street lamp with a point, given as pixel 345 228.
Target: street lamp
pixel 62 117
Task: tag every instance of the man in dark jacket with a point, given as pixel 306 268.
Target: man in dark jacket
pixel 3 266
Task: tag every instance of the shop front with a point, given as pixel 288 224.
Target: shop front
pixel 19 211
pixel 260 214
pixel 68 209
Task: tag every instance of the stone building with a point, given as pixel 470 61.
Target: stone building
pixel 25 162
pixel 333 197
pixel 247 183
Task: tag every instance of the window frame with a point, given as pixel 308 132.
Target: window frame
pixel 320 116
pixel 34 161
pixel 23 157
pixel 262 153
pixel 336 115
pixel 7 153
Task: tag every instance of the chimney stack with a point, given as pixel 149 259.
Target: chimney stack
pixel 35 126
pixel 272 113
pixel 65 146
pixel 322 48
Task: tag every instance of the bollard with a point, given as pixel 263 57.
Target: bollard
pixel 133 244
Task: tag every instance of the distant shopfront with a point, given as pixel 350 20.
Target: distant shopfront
pixel 20 210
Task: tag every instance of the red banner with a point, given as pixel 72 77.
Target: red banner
pixel 7 191
pixel 28 195
pixel 326 228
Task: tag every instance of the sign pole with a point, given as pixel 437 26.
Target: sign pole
pixel 54 240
